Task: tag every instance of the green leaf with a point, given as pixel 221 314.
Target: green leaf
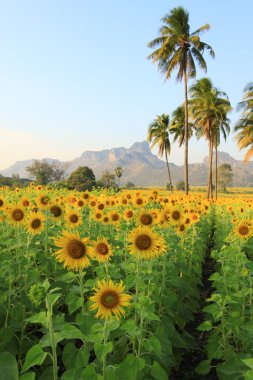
pixel 8 367
pixel 72 374
pixel 101 350
pixel 74 302
pixel 130 368
pixel 89 373
pixel 69 332
pixel 158 372
pixel 203 368
pixel 39 318
pixel 74 357
pixel 130 327
pixel 248 362
pixel 153 345
pixel 28 376
pixel 205 326
pixel 248 375
pixel 35 356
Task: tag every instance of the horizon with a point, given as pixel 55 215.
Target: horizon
pixel 63 93
pixel 120 147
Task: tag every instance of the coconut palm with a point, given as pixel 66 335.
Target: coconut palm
pixel 244 126
pixel 177 126
pixel 209 108
pixel 158 135
pixel 177 48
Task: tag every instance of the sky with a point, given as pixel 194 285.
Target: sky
pixel 74 75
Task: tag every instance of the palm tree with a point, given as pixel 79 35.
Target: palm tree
pixel 158 135
pixel 177 48
pixel 209 108
pixel 244 126
pixel 177 126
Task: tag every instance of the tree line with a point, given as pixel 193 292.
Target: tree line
pixel 205 111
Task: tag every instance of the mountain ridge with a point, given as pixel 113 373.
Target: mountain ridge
pixel 141 166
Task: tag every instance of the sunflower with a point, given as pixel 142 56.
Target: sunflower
pixel 80 203
pixel 25 202
pixel 43 200
pixel 128 214
pixel 115 217
pixel 109 299
pixel 16 215
pixel 146 243
pixel 101 250
pixel 74 250
pixel 176 215
pixel 2 203
pixel 145 218
pixel 105 219
pixel 73 218
pixel 56 211
pixel 164 217
pixel 35 222
pixel 244 229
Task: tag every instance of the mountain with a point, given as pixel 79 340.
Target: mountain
pixel 142 167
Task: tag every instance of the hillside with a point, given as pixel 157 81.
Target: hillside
pixel 142 167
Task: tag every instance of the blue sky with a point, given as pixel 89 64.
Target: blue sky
pixel 74 75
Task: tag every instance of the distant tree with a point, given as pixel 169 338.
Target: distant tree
pixel 44 172
pixel 15 181
pixel 118 172
pixel 225 176
pixel 129 185
pixel 108 179
pixel 180 185
pixel 81 179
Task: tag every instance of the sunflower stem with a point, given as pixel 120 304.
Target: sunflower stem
pixel 105 341
pixel 81 274
pixel 51 333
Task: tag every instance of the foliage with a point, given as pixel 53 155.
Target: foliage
pixel 225 176
pixel 81 179
pixel 244 127
pixel 108 180
pixel 44 172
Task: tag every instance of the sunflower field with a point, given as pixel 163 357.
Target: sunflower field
pixel 126 286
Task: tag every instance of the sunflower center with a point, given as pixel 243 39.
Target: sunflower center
pixel 1 202
pixel 143 242
pixel 139 201
pixel 115 217
pixel 129 214
pixel 243 230
pixel 110 299
pixel 146 219
pixel 44 200
pixel 25 203
pixel 80 203
pixel 36 223
pixel 101 206
pixel 17 214
pixel 73 218
pixel 56 211
pixel 76 249
pixel 106 219
pixel 176 215
pixel 102 249
pixel 182 227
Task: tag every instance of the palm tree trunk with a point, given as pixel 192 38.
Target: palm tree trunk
pixel 185 134
pixel 168 167
pixel 216 168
